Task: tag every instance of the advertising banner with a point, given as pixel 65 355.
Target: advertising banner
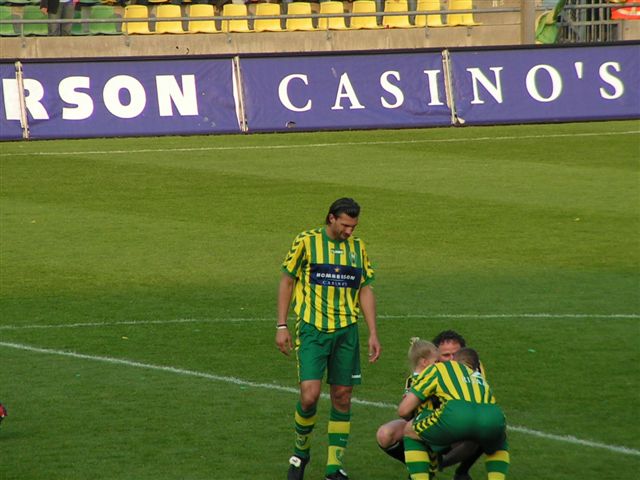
pixel 547 85
pixel 344 92
pixel 122 98
pixel 9 101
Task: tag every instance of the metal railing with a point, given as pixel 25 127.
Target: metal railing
pixel 589 21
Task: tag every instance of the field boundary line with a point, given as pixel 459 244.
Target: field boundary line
pixel 245 383
pixel 321 145
pixel 469 316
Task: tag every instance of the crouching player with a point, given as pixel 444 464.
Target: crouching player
pixel 390 435
pixel 467 411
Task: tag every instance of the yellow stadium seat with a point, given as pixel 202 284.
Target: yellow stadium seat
pixel 267 24
pixel 299 8
pixel 136 12
pixel 396 21
pixel 332 23
pixel 234 10
pixel 429 20
pixel 465 19
pixel 202 26
pixel 169 26
pixel 364 22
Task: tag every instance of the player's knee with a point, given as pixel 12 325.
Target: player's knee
pixel 384 436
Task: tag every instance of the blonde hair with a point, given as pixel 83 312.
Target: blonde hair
pixel 420 349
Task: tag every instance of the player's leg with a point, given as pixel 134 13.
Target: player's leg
pixel 417 458
pixel 311 354
pixel 390 436
pixel 492 435
pixel 343 373
pixel 466 454
pixel 497 463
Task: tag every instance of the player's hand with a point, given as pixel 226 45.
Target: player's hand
pixel 283 340
pixel 374 348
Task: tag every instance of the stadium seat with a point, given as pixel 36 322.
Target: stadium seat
pixel 32 12
pixel 7 29
pixel 332 23
pixel 234 10
pixel 299 24
pixel 169 26
pixel 201 26
pixel 396 21
pixel 270 24
pixel 465 19
pixel 103 12
pixel 364 22
pixel 79 28
pixel 429 20
pixel 136 12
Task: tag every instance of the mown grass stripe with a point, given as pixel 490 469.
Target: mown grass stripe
pixel 269 386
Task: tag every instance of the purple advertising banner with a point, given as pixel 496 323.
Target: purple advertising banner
pixel 547 85
pixel 344 91
pixel 9 102
pixel 122 98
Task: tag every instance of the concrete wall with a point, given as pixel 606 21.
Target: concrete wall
pixel 266 42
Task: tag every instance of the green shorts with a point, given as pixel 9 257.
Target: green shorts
pixel 337 352
pixel 459 420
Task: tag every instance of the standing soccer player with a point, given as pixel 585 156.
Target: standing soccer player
pixel 327 279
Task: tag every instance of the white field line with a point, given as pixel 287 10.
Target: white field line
pixel 268 386
pixel 468 316
pixel 321 145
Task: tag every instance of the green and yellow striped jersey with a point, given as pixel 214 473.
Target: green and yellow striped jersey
pixel 329 275
pixel 451 381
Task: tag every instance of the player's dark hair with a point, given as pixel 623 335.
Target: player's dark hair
pixel 469 357
pixel 449 336
pixel 344 205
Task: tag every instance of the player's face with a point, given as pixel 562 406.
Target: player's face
pixel 448 349
pixel 341 227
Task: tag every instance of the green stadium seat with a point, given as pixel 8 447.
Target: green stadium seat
pixel 104 12
pixel 7 29
pixel 79 29
pixel 32 12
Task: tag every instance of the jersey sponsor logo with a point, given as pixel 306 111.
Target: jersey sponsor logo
pixel 340 276
pixel 336 251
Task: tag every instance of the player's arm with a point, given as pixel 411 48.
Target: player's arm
pixel 285 290
pixel 368 307
pixel 408 405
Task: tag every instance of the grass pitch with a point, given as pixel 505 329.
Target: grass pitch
pixel 138 281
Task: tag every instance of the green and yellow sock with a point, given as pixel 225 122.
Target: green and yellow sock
pixel 416 458
pixel 497 465
pixel 304 423
pixel 339 428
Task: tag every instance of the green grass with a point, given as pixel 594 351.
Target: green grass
pixel 524 238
